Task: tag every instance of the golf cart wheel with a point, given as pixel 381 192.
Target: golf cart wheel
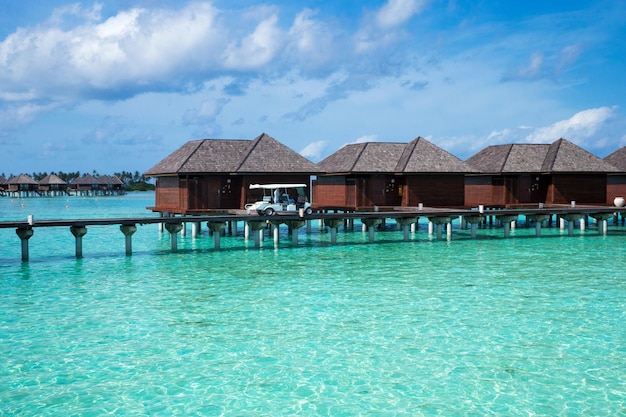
pixel 308 211
pixel 269 211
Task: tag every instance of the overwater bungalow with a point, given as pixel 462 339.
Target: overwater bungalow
pixel 521 174
pixel 22 185
pixel 384 174
pixel 210 175
pixel 110 185
pixel 616 183
pixel 103 185
pixel 52 185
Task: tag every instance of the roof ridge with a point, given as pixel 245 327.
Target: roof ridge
pixel 200 142
pixel 506 158
pixel 553 151
pixel 255 143
pixel 356 160
pixel 409 149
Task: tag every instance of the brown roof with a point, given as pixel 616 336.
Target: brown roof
pixel 86 179
pixel 417 156
pixel 109 180
pixel 560 156
pixel 564 156
pixel 421 156
pixel 52 179
pixel 264 154
pixel 618 159
pixel 21 179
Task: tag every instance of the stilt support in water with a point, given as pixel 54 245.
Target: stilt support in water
pixel 333 224
pixel 174 228
pixel 216 228
pixel 256 226
pixel 24 235
pixel 128 230
pixel 602 219
pixel 507 220
pixel 406 223
pixel 371 224
pixel 439 222
pixel 538 219
pixel 79 232
pixel 474 221
pixel 571 220
pixel 294 225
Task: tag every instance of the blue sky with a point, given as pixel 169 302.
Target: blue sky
pixel 119 85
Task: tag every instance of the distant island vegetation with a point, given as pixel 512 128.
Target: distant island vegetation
pixel 132 181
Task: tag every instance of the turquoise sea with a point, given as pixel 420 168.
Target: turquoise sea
pixel 523 326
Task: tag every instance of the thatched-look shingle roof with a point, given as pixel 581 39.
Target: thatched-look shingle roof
pixel 86 179
pixel 562 156
pixel 109 180
pixel 21 179
pixel 618 159
pixel 264 154
pixel 52 179
pixel 417 156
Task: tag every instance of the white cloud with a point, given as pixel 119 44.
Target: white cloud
pixel 396 12
pixel 384 26
pixel 365 139
pixel 314 150
pixel 256 49
pixel 583 125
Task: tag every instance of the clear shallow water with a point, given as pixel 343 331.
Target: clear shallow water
pixel 519 326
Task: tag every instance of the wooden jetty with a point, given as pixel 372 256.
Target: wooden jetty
pixel 407 218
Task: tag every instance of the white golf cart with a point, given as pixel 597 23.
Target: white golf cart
pixel 279 198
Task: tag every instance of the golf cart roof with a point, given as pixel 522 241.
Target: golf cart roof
pixel 274 186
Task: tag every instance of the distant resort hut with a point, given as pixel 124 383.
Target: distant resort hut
pixel 616 183
pixel 110 185
pixel 52 185
pixel 209 175
pixel 524 174
pixel 3 184
pixel 22 185
pixel 89 185
pixel 384 174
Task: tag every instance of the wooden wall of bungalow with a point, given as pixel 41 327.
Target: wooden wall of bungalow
pixel 524 189
pixel 362 191
pixel 202 193
pixel 616 182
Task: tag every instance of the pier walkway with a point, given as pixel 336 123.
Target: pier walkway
pixel 406 218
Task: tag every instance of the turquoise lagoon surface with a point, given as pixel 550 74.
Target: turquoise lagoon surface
pixel 523 326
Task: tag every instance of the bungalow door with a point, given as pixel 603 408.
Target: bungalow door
pixel 393 191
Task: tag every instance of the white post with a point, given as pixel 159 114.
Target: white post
pixel 538 228
pixel 275 231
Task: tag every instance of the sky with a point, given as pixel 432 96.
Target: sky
pixel 118 85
